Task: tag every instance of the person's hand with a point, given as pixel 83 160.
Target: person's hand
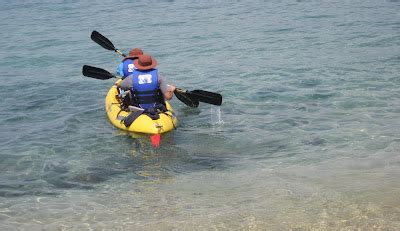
pixel 171 88
pixel 170 92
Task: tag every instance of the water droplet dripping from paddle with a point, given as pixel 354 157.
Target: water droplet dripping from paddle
pixel 216 117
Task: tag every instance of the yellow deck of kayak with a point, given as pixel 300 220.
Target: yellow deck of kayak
pixel 142 124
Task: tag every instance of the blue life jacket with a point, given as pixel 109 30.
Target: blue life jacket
pixel 145 87
pixel 127 67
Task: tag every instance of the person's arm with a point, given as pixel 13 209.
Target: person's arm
pixel 166 89
pixel 120 69
pixel 125 84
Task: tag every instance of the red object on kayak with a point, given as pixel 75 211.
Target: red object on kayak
pixel 155 140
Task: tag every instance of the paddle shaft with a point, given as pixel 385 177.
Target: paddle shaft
pixel 120 53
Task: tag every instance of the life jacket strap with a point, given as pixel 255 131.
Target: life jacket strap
pixel 146 92
pixel 147 99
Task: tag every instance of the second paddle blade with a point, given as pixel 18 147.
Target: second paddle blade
pixel 95 72
pixel 207 97
pixel 102 41
pixel 186 98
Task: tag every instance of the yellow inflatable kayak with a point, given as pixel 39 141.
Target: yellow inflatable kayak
pixel 143 123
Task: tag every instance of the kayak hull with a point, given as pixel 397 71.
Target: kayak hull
pixel 142 124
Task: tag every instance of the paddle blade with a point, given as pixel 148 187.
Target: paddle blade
pixel 207 97
pixel 102 41
pixel 97 73
pixel 185 98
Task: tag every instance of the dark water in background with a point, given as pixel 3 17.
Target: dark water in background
pixel 310 137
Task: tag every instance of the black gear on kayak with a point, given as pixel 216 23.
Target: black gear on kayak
pixel 154 112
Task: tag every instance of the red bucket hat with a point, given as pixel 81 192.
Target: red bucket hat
pixel 134 53
pixel 145 62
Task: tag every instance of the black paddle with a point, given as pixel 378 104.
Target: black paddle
pixel 98 73
pixel 104 42
pixel 190 98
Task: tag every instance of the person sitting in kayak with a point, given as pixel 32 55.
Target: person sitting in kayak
pixel 148 88
pixel 126 67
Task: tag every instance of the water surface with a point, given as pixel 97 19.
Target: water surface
pixel 308 135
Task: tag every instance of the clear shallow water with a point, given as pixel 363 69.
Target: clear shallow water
pixel 310 137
